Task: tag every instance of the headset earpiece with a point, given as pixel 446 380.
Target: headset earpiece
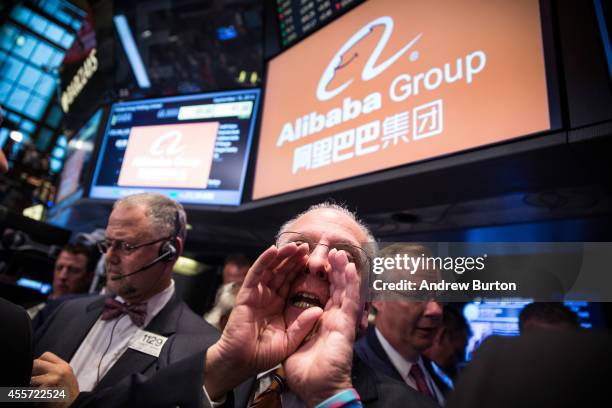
pixel 168 250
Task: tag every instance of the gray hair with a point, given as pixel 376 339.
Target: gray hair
pixel 371 244
pixel 413 250
pixel 162 212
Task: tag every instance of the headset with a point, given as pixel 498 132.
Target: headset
pixel 167 251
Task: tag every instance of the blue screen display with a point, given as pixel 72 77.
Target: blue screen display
pixel 226 33
pixel 192 148
pixel 502 319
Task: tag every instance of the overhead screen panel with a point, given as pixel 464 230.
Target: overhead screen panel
pixel 501 318
pixel 79 152
pixel 298 18
pixel 391 83
pixel 192 148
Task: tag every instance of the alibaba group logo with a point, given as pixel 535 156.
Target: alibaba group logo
pixel 371 70
pixel 168 144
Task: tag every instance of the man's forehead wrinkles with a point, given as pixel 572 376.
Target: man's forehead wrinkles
pixel 119 233
pixel 330 224
pixel 329 238
pixel 124 227
pixel 129 236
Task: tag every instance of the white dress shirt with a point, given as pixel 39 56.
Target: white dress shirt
pixel 403 367
pixel 107 340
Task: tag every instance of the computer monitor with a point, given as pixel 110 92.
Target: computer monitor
pixel 73 178
pixel 192 148
pixel 501 318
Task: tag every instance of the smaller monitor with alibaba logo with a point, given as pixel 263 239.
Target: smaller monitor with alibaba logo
pixel 192 148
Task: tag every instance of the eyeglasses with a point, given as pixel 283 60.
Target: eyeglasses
pixel 122 246
pixel 355 254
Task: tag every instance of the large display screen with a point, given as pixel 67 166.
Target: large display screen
pixel 501 318
pixel 193 148
pixel 391 83
pixel 297 18
pixel 78 156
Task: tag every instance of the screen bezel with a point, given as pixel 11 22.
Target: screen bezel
pixel 88 169
pixel 253 131
pixel 483 152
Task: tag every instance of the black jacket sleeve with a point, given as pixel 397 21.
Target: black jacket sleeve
pixel 179 384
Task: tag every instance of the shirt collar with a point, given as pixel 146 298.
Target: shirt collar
pixel 264 373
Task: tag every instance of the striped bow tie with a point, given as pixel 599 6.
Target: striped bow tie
pixel 114 309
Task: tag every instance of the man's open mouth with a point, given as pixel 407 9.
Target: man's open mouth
pixel 305 300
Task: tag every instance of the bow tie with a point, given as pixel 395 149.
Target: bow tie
pixel 114 309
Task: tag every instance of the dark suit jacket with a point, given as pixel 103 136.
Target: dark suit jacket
pixel 15 346
pixel 546 370
pixel 51 306
pixel 64 331
pixel 374 387
pixel 379 390
pixel 369 349
pixel 181 385
pixel 177 385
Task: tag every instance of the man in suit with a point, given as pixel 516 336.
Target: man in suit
pixel 16 341
pixel 15 345
pixel 90 344
pixel 541 368
pixel 298 309
pixel 72 274
pixel 404 327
